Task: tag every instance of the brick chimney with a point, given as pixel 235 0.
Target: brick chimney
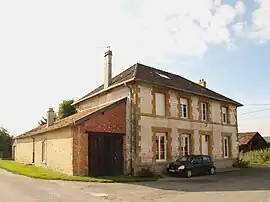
pixel 202 83
pixel 107 69
pixel 50 117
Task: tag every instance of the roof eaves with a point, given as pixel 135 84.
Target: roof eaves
pixel 191 92
pixel 104 90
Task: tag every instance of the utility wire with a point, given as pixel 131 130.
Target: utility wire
pixel 255 111
pixel 254 118
pixel 256 104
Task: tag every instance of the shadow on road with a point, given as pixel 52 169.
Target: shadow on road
pixel 248 179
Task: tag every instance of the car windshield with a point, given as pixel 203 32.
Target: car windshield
pixel 184 158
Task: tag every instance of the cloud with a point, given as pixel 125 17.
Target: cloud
pixel 261 22
pixel 238 28
pixel 183 28
pixel 240 8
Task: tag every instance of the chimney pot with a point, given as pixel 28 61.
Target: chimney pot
pixel 50 117
pixel 202 82
pixel 107 69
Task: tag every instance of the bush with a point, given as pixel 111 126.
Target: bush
pixel 258 156
pixel 146 172
pixel 240 163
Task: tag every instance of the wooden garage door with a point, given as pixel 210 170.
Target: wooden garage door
pixel 105 154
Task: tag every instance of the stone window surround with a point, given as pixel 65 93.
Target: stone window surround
pixel 191 139
pixel 188 95
pixel 159 136
pixel 167 100
pixel 210 141
pixel 223 105
pixel 168 132
pixel 229 135
pixel 189 100
pixel 208 109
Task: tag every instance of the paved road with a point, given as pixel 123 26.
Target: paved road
pixel 247 185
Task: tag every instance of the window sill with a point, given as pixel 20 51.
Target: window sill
pixel 161 161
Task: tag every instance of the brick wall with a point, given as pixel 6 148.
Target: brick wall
pixel 112 121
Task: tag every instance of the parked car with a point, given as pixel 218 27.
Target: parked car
pixel 191 165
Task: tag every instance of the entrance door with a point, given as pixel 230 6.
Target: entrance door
pixel 105 154
pixel 205 143
pixel 185 146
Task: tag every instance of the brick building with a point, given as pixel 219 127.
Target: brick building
pixel 142 118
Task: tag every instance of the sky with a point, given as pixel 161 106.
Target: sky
pixel 53 50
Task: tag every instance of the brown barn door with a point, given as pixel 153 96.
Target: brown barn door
pixel 105 155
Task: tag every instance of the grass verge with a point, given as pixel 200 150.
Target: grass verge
pixel 47 174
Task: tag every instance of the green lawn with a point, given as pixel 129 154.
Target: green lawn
pixel 42 173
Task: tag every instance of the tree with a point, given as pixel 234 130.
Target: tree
pixel 66 109
pixel 5 142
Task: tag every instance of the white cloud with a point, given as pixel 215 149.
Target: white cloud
pixel 41 41
pixel 183 27
pixel 261 22
pixel 239 28
pixel 240 7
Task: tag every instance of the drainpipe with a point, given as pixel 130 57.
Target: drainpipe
pixel 131 128
pixel 237 137
pixel 33 157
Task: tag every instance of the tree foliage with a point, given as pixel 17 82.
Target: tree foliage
pixel 66 109
pixel 5 140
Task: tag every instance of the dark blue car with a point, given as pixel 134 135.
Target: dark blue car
pixel 191 165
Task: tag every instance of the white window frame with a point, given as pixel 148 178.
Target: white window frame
pixel 182 144
pixel 184 104
pixel 43 151
pixel 226 146
pixel 224 114
pixel 160 110
pixel 159 136
pixel 204 111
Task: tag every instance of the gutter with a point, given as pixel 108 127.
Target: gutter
pixel 131 128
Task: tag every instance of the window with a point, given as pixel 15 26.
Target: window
pixel 205 144
pixel 43 151
pixel 160 104
pixel 184 107
pixel 226 147
pixel 224 114
pixel 185 144
pixel 206 159
pixel 198 159
pixel 161 148
pixel 204 111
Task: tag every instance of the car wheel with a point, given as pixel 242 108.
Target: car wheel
pixel 212 171
pixel 189 174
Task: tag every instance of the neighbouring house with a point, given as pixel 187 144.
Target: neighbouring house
pixel 142 118
pixel 249 141
pixel 267 139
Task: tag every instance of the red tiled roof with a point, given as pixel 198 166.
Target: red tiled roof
pixel 244 138
pixel 65 121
